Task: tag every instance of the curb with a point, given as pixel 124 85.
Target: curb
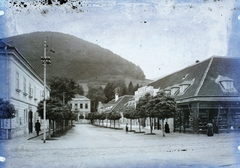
pixel 35 136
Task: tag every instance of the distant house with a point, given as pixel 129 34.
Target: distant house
pixel 143 90
pixel 208 91
pixel 23 87
pixel 114 105
pixel 81 105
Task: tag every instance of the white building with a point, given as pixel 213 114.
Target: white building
pixel 143 90
pixel 23 87
pixel 81 105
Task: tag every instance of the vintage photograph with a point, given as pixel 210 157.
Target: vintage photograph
pixel 119 83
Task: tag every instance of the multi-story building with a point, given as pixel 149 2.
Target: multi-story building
pixel 208 91
pixel 81 105
pixel 23 87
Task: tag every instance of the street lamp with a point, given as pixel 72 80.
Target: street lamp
pixel 45 60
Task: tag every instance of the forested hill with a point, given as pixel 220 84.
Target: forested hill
pixel 73 57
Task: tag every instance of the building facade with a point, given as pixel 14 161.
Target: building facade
pixel 23 87
pixel 81 105
pixel 208 91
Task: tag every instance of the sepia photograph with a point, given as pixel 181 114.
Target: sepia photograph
pixel 119 83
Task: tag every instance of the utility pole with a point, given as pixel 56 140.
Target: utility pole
pixel 45 60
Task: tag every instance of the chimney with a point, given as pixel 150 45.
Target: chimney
pixel 116 97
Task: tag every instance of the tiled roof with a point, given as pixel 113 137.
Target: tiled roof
pixel 203 76
pixel 79 97
pixel 117 105
pixel 190 73
pixel 228 67
pixel 121 103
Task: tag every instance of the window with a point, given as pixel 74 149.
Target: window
pixel 35 93
pixel 30 91
pixel 226 84
pixel 17 81
pixel 86 106
pixel 174 90
pixel 81 106
pixel 167 91
pixel 183 87
pixel 24 85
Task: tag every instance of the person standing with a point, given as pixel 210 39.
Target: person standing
pixel 37 127
pixel 126 128
pixel 167 128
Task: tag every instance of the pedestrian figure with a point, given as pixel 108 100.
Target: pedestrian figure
pixel 126 128
pixel 167 128
pixel 209 129
pixel 37 127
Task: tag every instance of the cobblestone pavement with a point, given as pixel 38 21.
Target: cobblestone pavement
pixel 91 146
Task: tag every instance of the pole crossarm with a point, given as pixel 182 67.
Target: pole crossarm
pixel 46 60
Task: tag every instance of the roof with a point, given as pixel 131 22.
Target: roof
pixel 202 78
pixel 80 98
pixel 117 105
pixel 8 48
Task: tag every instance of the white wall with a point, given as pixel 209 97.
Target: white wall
pixel 23 101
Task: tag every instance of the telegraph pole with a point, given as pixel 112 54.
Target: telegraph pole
pixel 45 60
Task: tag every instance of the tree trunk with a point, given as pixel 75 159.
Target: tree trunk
pixel 150 125
pixel 130 124
pixel 163 128
pixel 53 127
pixel 49 129
pixel 114 123
pixel 139 124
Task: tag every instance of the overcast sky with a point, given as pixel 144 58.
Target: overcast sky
pixel 160 36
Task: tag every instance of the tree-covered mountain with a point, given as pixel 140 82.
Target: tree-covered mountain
pixel 73 57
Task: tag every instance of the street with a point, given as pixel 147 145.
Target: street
pixel 91 146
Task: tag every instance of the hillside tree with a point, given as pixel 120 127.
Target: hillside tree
pixel 79 90
pixel 130 88
pixel 95 94
pixel 109 92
